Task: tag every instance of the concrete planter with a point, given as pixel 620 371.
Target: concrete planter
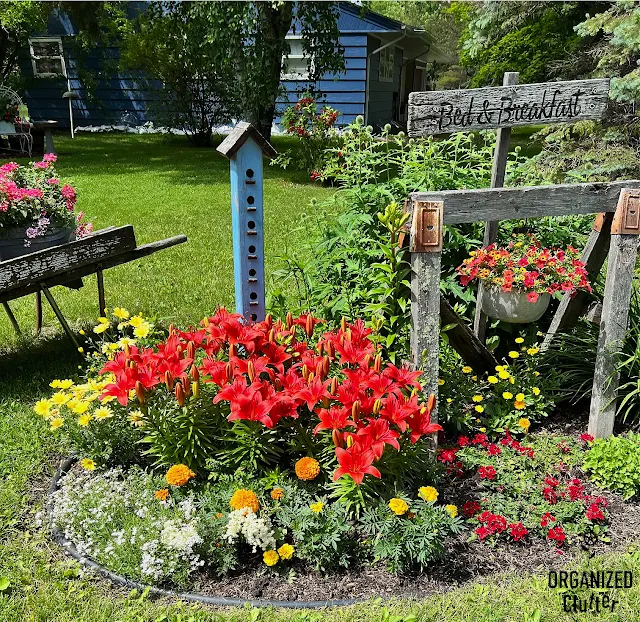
pixel 513 306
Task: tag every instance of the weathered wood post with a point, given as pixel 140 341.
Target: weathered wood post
pixel 498 171
pixel 245 147
pixel 625 230
pixel 425 246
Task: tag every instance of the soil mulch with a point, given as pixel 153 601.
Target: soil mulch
pixel 465 561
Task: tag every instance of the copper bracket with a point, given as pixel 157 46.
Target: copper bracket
pixel 627 216
pixel 426 227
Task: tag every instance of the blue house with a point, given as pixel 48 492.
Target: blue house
pixel 385 60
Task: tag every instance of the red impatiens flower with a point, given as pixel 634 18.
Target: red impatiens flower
pixel 480 439
pixel 487 472
pixel 564 448
pixel 494 450
pixel 557 534
pixel 356 462
pixel 551 481
pixel 483 532
pixel 586 438
pixel 547 518
pixel 550 495
pixel 594 513
pixel 447 455
pixel 576 490
pixel 463 441
pixel 470 508
pixel 518 531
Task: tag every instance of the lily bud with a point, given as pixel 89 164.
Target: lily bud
pixel 349 441
pixel 127 350
pixel 343 324
pixel 251 370
pixel 320 348
pixel 168 380
pixel 325 402
pixel 325 367
pixel 333 386
pixel 377 406
pixel 348 334
pixel 272 336
pixel 305 371
pixel 268 320
pixel 195 374
pixel 140 392
pixel 172 329
pixel 309 325
pixel 186 383
pixel 414 392
pixel 196 389
pixel 337 437
pixel 289 320
pixel 355 411
pixel 342 339
pixel 191 350
pixel 205 322
pixel 431 403
pixel 179 392
pixel 232 350
pixel 277 383
pixel 377 365
pixel 331 350
pixel 367 360
pixel 310 377
pixel 229 372
pixel 179 350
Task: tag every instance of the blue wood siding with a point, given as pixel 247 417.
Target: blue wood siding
pixel 380 108
pixel 345 92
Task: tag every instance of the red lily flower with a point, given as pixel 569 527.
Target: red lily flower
pixel 334 418
pixel 356 462
pixel 378 434
pixel 314 392
pixel 125 382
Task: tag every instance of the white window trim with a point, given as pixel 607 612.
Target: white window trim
pixel 300 77
pixel 392 51
pixel 35 58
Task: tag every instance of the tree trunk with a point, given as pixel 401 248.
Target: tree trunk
pixel 274 24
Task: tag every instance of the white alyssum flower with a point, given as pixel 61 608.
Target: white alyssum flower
pixel 257 532
pixel 179 537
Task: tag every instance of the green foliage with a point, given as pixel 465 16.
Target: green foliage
pixel 413 540
pixel 614 464
pixel 619 23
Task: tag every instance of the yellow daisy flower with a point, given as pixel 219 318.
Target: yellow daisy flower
pixel 120 313
pixel 492 380
pixel 88 464
pixel 513 354
pixel 466 369
pixel 56 423
pixel 84 420
pixel 103 413
pixel 535 391
pixel 507 396
pixel 519 340
pixel 477 398
pixel 479 409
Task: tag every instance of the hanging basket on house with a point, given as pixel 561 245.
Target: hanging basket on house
pixel 513 306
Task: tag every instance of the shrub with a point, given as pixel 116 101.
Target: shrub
pixel 614 464
pixel 530 490
pixel 314 127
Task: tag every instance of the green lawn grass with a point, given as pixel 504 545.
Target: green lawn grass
pixel 163 189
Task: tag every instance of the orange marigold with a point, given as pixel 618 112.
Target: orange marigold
pixel 162 494
pixel 307 468
pixel 179 475
pixel 277 494
pixel 245 499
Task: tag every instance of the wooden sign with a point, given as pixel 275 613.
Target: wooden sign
pixel 437 112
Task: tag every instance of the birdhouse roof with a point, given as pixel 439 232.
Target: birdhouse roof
pixel 239 135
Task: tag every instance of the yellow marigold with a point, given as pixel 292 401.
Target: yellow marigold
pixel 477 398
pixel 483 430
pixel 307 468
pixel 398 506
pixel 270 558
pixel 317 507
pixel 533 351
pixel 513 354
pixel 88 464
pixel 524 423
pixel 286 551
pixel 245 499
pixel 440 381
pixel 492 380
pixel 536 373
pixel 519 405
pixel 277 494
pixel 428 493
pixel 179 475
pixel 503 374
pixel 451 510
pixel 466 369
pixel 162 494
pixel 507 395
pixel 520 397
pixel 479 409
pixel 535 391
pixel 519 340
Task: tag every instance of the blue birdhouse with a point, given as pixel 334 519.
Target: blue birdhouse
pixel 245 148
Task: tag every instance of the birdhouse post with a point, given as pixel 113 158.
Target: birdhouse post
pixel 245 148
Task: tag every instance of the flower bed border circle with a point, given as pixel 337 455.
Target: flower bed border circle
pixel 71 550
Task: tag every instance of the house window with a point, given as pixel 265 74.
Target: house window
pixel 47 58
pixel 387 57
pixel 295 65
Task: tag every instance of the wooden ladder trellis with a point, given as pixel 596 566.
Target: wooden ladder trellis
pixel 616 229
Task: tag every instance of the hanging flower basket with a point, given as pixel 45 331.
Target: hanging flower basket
pixel 520 279
pixel 513 306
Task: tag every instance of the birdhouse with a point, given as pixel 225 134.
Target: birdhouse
pixel 245 148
